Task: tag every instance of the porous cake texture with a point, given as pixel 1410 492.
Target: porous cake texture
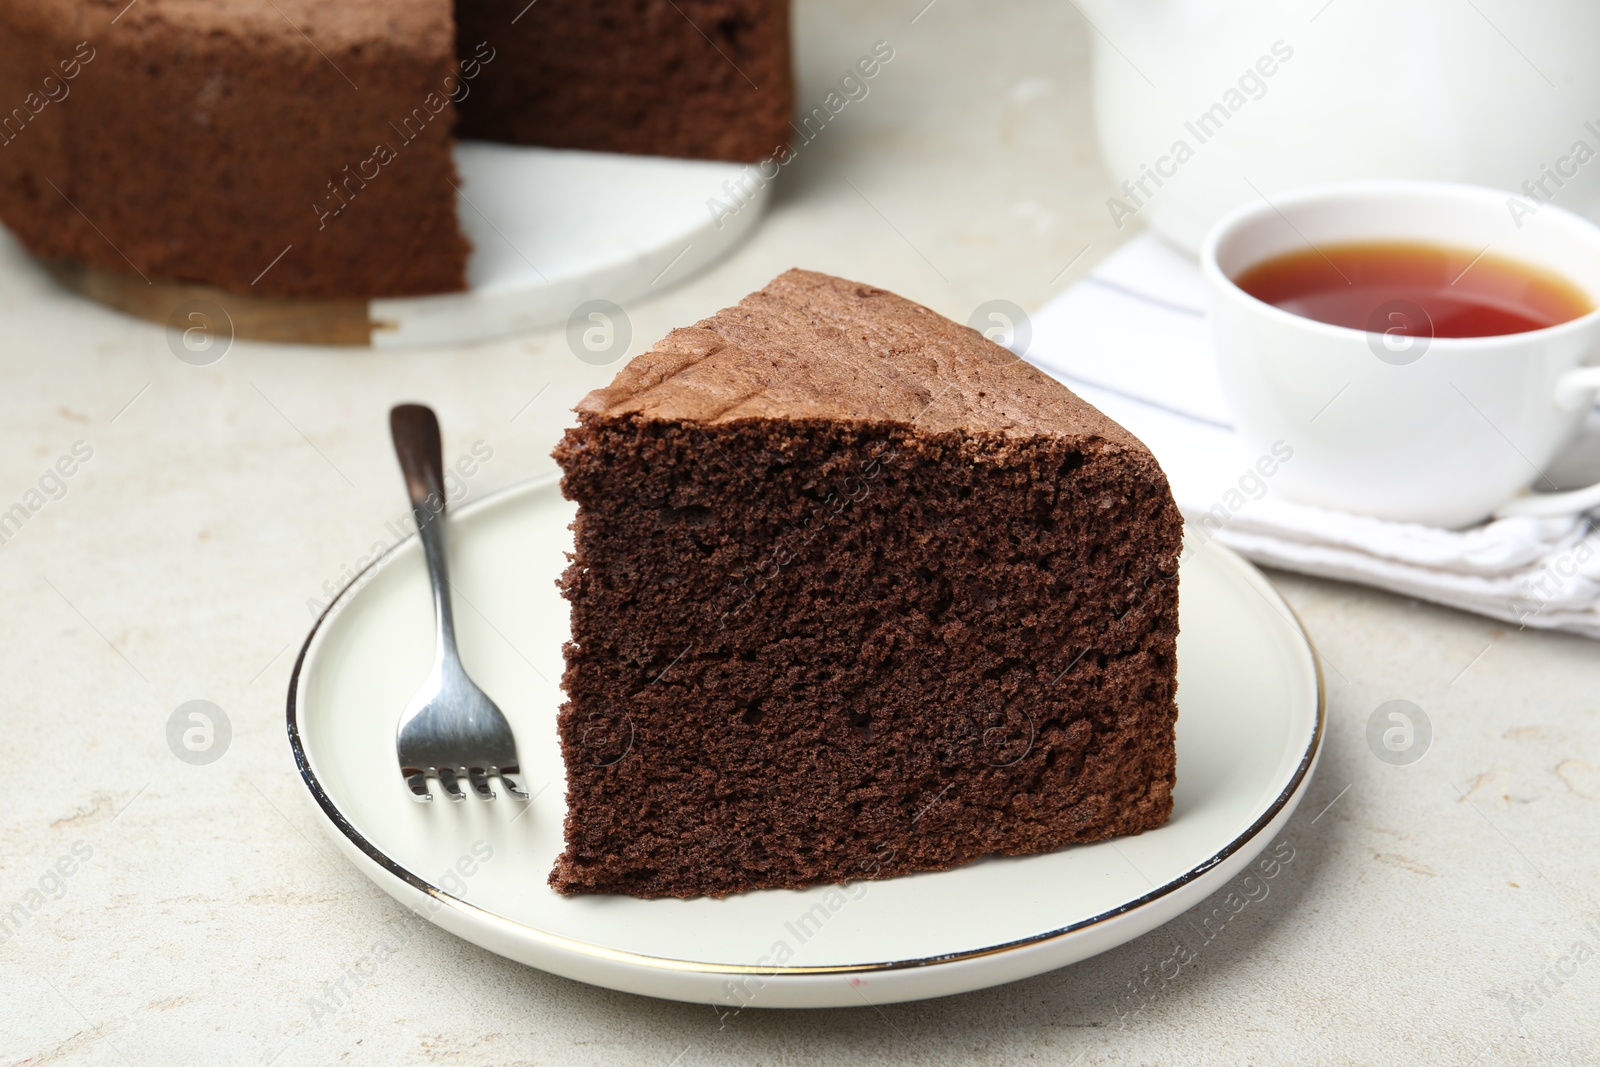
pixel 706 79
pixel 855 593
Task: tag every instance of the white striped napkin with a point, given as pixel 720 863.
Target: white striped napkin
pixel 1132 339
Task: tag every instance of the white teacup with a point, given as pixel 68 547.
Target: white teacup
pixel 1444 431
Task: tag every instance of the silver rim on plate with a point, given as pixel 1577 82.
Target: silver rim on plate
pixel 557 941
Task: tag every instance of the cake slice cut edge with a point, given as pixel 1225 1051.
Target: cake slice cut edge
pixel 855 593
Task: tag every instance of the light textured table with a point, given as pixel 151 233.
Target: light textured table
pixel 1435 912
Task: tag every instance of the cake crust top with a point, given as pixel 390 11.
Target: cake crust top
pixel 813 346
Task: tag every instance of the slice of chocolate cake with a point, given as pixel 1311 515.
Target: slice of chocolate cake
pixel 856 593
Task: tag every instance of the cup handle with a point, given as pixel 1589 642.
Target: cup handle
pixel 1574 390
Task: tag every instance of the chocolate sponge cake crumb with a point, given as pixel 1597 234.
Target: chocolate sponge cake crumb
pixel 706 79
pixel 855 593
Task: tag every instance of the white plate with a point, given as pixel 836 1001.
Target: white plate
pixel 553 228
pixel 1250 727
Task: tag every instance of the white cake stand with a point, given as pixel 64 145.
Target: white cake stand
pixel 550 229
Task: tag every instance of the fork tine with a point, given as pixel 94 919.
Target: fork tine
pixel 452 787
pixel 511 784
pixel 480 783
pixel 418 784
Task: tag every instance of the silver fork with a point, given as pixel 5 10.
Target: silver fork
pixel 450 728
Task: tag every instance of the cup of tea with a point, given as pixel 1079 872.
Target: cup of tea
pixel 1425 348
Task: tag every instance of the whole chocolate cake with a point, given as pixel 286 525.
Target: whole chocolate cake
pixel 856 592
pixel 303 148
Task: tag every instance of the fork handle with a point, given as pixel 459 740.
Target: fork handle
pixel 415 430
